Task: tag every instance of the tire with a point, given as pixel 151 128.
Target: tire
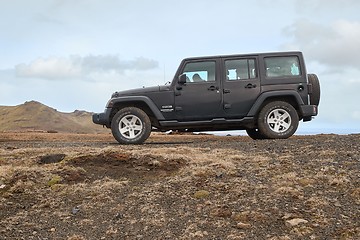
pixel 255 134
pixel 131 125
pixel 315 95
pixel 278 120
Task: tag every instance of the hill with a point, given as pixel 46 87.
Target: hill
pixel 35 116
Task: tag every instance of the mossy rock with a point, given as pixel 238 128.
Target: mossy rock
pixel 58 187
pixel 201 194
pixel 55 180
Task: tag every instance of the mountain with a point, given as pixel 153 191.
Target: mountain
pixel 35 116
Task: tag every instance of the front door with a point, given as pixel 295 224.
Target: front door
pixel 241 85
pixel 200 97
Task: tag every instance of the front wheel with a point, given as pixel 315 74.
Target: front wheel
pixel 131 125
pixel 278 120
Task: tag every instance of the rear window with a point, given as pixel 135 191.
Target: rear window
pixel 282 66
pixel 240 69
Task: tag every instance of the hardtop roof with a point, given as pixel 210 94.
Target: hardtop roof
pixel 285 53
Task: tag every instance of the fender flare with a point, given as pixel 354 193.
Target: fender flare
pixel 112 102
pixel 262 98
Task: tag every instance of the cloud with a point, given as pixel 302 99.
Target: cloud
pixel 50 68
pixel 111 62
pixel 330 49
pixel 321 5
pixel 77 67
pixel 333 45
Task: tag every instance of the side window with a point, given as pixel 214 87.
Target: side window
pixel 240 69
pixel 282 66
pixel 200 72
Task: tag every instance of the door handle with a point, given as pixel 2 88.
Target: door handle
pixel 213 88
pixel 250 85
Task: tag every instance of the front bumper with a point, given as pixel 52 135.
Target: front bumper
pixel 102 118
pixel 308 111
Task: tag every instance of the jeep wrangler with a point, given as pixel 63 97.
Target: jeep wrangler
pixel 266 94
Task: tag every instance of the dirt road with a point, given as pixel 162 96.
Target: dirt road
pixel 72 186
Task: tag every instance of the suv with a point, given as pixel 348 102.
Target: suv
pixel 266 94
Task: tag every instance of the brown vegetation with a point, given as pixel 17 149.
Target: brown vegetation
pixel 83 186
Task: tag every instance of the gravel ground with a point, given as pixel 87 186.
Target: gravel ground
pixel 73 186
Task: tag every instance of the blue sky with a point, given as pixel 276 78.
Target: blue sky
pixel 72 54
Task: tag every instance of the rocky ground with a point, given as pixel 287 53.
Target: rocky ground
pixel 73 186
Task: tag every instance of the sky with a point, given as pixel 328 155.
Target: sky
pixel 73 54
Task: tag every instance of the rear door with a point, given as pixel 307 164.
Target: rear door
pixel 241 85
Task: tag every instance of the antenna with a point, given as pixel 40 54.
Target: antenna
pixel 164 73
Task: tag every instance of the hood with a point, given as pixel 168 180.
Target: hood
pixel 139 91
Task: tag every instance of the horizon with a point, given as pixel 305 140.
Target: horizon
pixel 303 129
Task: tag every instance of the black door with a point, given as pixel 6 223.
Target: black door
pixel 241 85
pixel 200 97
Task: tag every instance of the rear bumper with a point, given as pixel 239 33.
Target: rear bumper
pixel 102 118
pixel 308 111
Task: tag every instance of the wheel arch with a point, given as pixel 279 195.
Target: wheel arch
pixel 291 97
pixel 141 102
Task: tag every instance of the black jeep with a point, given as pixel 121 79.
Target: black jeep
pixel 266 94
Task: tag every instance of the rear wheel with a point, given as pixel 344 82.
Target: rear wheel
pixel 131 125
pixel 278 120
pixel 255 134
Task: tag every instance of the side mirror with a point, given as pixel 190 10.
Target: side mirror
pixel 182 79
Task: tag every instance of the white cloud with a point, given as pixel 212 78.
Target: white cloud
pixel 325 5
pixel 331 51
pixel 50 68
pixel 78 67
pixel 333 45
